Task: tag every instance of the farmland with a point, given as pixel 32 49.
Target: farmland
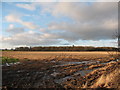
pixel 49 55
pixel 60 69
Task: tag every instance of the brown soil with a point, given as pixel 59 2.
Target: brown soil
pixel 62 73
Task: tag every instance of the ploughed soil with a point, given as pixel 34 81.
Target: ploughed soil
pixel 60 74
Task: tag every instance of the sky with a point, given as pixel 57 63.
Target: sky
pixel 58 24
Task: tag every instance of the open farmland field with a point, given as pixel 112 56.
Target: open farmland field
pixel 49 55
pixel 60 45
pixel 60 70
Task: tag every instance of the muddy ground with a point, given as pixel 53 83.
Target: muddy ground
pixel 64 73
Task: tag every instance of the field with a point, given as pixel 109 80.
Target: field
pixel 50 55
pixel 60 70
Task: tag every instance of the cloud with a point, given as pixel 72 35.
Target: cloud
pixel 14 30
pixel 17 18
pixel 107 0
pixel 11 26
pixel 93 21
pixel 82 11
pixel 30 7
pixel 87 31
pixel 30 38
pixel 12 18
pixel 29 25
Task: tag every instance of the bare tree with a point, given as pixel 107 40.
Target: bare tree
pixel 116 52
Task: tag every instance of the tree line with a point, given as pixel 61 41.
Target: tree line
pixel 65 48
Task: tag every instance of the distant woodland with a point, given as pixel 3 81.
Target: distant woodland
pixel 64 48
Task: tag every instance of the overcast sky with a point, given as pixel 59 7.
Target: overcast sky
pixel 58 24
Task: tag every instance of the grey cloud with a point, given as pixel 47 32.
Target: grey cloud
pixel 82 12
pixel 30 38
pixel 97 21
pixel 77 31
pixel 15 30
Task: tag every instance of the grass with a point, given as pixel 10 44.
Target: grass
pixel 8 60
pixel 105 77
pixel 110 80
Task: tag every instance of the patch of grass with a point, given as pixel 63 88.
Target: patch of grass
pixel 110 80
pixel 8 60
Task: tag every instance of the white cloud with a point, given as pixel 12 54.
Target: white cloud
pixel 30 38
pixel 29 25
pixel 14 30
pixel 11 26
pixel 17 18
pixel 27 6
pixel 12 18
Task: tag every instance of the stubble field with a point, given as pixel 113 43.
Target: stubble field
pixel 49 55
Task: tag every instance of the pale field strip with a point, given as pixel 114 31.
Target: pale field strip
pixel 36 55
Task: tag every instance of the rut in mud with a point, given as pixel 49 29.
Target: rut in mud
pixel 49 74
